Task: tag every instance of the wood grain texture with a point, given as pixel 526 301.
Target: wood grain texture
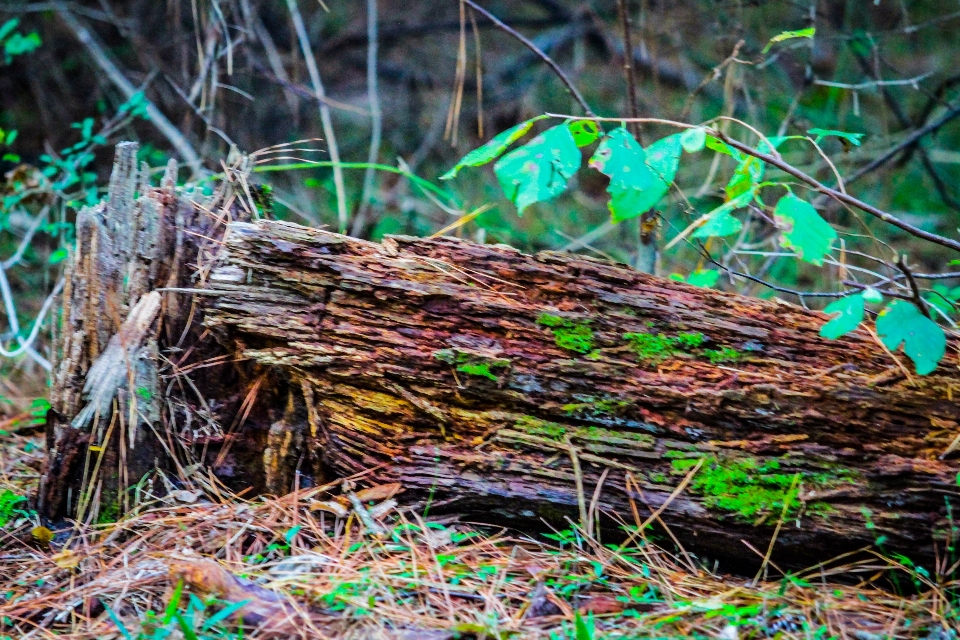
pixel 442 364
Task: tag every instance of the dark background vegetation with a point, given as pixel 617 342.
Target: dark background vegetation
pixel 232 72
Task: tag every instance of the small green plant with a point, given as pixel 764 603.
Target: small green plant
pixel 572 335
pixel 15 43
pixel 198 620
pixel 9 510
pixel 641 177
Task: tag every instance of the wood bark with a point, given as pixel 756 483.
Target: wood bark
pixel 519 389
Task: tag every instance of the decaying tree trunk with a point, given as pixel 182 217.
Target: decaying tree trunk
pixel 514 388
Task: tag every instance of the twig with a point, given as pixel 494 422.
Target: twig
pixel 325 118
pixel 916 298
pixel 628 65
pixel 543 56
pixel 906 143
pixel 13 260
pixel 776 532
pixel 578 480
pixel 376 117
pixel 838 195
pixel 26 343
pixel 169 131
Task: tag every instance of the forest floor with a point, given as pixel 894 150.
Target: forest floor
pixel 204 565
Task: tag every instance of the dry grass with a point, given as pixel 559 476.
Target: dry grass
pixel 166 570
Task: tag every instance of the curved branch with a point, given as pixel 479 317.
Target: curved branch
pixel 543 56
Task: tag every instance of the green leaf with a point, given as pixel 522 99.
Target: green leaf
pixel 923 340
pixel 539 170
pixel 706 278
pixel 8 27
pixel 584 132
pixel 804 230
pixel 58 256
pixel 492 149
pixel 790 35
pixel 850 315
pixel 942 298
pixel 719 221
pixel 852 138
pixel 638 178
pixel 722 147
pixel 18 44
pixel 585 629
pixel 872 296
pixel 693 140
pixel 663 158
pixel 749 172
pixel 11 136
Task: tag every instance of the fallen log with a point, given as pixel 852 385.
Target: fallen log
pixel 514 388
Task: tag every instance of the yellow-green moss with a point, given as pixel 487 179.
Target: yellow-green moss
pixel 747 487
pixel 471 363
pixel 572 335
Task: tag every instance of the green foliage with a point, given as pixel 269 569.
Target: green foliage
pixel 944 298
pixel 638 178
pixel 659 347
pixel 723 354
pixel 700 278
pixel 539 170
pixel 584 132
pixel 790 35
pixel 9 502
pixel 472 364
pixel 493 149
pixel 136 106
pixel 849 312
pixel 804 230
pixel 719 222
pixel 693 140
pixel 923 340
pixel 746 487
pixel 851 138
pixel 572 335
pixel 198 620
pixel 15 43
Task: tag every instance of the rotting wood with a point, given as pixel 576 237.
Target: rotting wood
pixel 469 373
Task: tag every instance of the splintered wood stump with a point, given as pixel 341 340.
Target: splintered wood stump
pixel 518 389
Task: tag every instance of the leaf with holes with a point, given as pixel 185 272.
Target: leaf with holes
pixel 539 170
pixel 584 132
pixel 491 150
pixel 638 178
pixel 849 312
pixel 923 340
pixel 719 222
pixel 635 187
pixel 804 230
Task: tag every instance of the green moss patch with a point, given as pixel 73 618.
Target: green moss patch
pixel 572 335
pixel 591 434
pixel 748 487
pixel 657 347
pixel 472 364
